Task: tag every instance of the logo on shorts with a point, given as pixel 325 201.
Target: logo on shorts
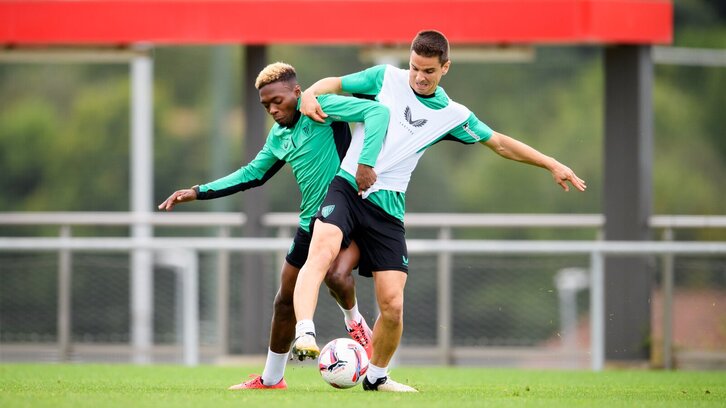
pixel 292 246
pixel 327 210
pixel 405 260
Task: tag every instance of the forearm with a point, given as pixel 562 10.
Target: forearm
pixel 254 174
pixel 515 150
pixel 330 85
pixel 376 125
pixel 243 179
pixel 374 116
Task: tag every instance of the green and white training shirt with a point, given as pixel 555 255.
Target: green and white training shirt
pixel 416 123
pixel 310 149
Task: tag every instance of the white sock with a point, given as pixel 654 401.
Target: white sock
pixel 375 372
pixel 274 367
pixel 304 327
pixel 353 313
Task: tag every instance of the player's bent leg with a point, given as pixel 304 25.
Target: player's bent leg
pixel 341 285
pixel 339 278
pixel 282 333
pixel 324 248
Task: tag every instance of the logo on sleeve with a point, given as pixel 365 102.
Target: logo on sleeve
pixel 327 210
pixel 471 133
pixel 409 117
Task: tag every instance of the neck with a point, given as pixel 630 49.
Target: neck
pixel 431 95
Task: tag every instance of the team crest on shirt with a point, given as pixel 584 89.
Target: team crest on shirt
pixel 409 118
pixel 327 210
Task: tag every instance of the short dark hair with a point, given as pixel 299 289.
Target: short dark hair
pixel 431 43
pixel 276 72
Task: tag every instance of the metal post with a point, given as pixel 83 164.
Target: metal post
pixel 445 325
pixel 223 296
pixel 185 264
pixel 627 193
pixel 668 270
pixel 597 310
pixel 221 77
pixel 255 331
pixel 142 281
pixel 190 279
pixel 64 298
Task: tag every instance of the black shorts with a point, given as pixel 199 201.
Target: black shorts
pixel 298 252
pixel 381 237
pixel 297 255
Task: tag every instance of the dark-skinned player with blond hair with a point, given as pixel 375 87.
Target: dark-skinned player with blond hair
pixel 313 150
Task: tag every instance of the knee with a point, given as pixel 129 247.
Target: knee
pixel 322 256
pixel 338 279
pixel 392 309
pixel 284 305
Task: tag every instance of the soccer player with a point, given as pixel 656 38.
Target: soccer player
pixel 421 115
pixel 313 150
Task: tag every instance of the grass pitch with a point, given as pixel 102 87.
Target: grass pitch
pixel 127 386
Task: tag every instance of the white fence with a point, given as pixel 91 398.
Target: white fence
pixel 172 250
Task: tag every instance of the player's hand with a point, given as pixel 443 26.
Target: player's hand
pixel 563 174
pixel 365 176
pixel 179 196
pixel 310 107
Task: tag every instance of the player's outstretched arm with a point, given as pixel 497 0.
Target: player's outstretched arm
pixel 179 196
pixel 309 105
pixel 513 149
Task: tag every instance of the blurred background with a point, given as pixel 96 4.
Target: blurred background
pixel 64 147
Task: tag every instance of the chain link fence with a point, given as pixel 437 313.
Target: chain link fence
pixel 497 302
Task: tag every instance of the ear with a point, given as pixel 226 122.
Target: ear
pixel 445 67
pixel 297 90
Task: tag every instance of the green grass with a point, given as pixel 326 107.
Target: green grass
pixel 26 385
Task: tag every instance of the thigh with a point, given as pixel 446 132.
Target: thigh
pixel 325 245
pixel 389 286
pixel 288 278
pixel 347 259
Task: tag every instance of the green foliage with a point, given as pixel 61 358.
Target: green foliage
pixel 64 129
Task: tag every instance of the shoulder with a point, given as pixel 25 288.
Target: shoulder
pixel 372 74
pixel 306 124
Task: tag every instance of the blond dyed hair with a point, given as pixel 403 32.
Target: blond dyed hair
pixel 278 71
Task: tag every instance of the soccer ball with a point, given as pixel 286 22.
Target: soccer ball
pixel 343 363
